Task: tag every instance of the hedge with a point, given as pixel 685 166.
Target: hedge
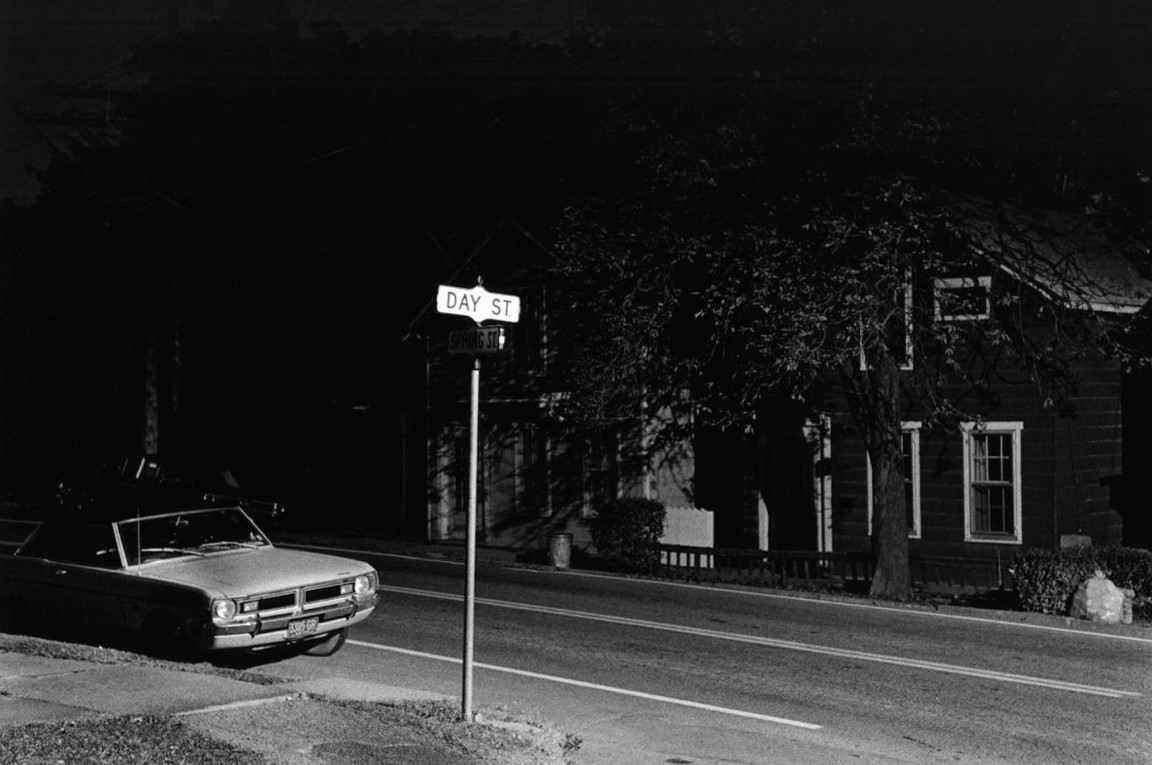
pixel 1046 580
pixel 627 533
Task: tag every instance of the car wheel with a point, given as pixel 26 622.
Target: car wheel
pixel 162 636
pixel 328 645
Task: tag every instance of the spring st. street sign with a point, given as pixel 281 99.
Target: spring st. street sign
pixel 478 340
pixel 478 304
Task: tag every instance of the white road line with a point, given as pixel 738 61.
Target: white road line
pixel 870 607
pixel 778 596
pixel 596 687
pixel 790 645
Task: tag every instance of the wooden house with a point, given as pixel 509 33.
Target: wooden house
pixel 1029 468
pixel 1036 462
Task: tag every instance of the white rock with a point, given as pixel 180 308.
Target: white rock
pixel 1098 600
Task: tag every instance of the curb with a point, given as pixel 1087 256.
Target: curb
pixel 240 704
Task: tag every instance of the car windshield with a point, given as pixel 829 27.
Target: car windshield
pixel 196 532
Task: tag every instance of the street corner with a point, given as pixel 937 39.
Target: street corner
pixel 305 729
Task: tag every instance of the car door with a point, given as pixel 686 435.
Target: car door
pixel 69 575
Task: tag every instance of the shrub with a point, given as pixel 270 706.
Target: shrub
pixel 1046 580
pixel 627 533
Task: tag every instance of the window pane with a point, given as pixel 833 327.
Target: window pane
pixel 88 544
pixel 908 499
pixel 992 457
pixel 601 476
pixel 992 491
pixel 999 458
pixel 906 463
pixel 532 489
pixel 963 297
pixel 964 301
pixel 992 509
pixel 981 515
pixel 979 458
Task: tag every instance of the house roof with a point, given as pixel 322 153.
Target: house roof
pixel 483 256
pixel 1067 258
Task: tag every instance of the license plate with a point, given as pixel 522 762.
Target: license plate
pixel 302 627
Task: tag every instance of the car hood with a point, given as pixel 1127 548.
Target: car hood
pixel 236 573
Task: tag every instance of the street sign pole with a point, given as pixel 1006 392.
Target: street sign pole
pixel 470 587
pixel 480 305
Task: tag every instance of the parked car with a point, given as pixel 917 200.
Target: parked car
pixel 203 578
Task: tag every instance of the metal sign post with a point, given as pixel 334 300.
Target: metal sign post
pixel 479 305
pixel 470 587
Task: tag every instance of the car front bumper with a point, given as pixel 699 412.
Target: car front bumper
pixel 269 633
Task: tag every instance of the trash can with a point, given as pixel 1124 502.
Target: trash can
pixel 560 549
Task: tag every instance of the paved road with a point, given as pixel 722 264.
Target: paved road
pixel 650 672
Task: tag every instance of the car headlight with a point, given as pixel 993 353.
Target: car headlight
pixel 223 610
pixel 363 584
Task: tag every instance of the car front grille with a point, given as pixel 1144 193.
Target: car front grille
pixel 276 610
pixel 297 601
pixel 273 602
pixel 318 594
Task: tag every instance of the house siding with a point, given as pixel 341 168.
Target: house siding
pixel 1064 459
pixel 1132 487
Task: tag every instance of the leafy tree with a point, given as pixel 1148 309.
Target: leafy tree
pixel 714 289
pixel 277 203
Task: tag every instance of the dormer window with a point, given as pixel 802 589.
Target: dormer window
pixel 963 298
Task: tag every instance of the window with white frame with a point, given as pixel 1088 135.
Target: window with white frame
pixel 532 471
pixel 601 473
pixel 910 466
pixel 963 298
pixel 992 481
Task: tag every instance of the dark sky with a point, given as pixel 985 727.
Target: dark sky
pixel 47 46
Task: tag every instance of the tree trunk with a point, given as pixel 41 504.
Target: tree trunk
pixel 878 409
pixel 151 439
pixel 889 525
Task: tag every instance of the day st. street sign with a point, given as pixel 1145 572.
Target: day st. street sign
pixel 478 304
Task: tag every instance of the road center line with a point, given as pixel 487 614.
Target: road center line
pixel 596 686
pixel 820 602
pixel 790 645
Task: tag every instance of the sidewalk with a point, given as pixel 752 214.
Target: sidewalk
pixel 43 688
pixel 295 722
pixel 255 713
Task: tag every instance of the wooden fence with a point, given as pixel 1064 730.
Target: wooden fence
pixel 848 569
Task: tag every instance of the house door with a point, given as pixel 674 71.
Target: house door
pixel 818 435
pixel 795 482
